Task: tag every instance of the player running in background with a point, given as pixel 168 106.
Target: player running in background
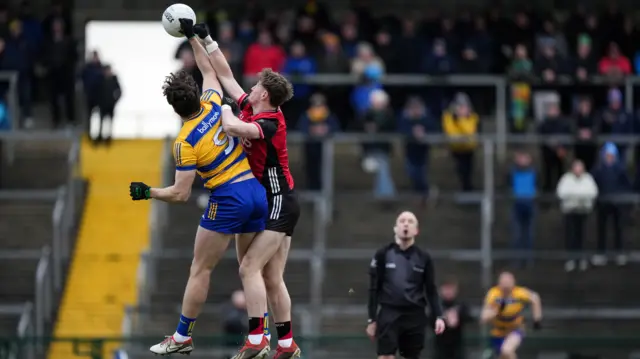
pixel 503 310
pixel 264 132
pixel 237 204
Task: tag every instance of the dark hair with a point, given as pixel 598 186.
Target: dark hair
pixel 277 86
pixel 450 280
pixel 182 93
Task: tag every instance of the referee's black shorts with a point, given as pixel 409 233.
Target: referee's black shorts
pixel 401 332
pixel 284 211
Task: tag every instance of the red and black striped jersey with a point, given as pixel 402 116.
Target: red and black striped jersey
pixel 268 156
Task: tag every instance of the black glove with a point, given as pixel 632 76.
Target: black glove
pixel 201 30
pixel 229 101
pixel 186 27
pixel 139 190
pixel 537 325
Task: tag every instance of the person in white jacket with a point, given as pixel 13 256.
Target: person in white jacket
pixel 577 192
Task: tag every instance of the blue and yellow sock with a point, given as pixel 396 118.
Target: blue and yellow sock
pixel 267 332
pixel 185 326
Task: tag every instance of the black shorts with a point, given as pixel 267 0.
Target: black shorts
pixel 400 332
pixel 284 211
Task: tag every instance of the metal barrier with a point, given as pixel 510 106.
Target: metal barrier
pixel 54 257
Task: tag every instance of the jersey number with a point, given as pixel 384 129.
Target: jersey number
pixel 224 140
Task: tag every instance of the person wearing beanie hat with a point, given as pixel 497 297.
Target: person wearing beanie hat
pixel 612 180
pixel 585 63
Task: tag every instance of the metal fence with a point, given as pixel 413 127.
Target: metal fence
pixel 37 317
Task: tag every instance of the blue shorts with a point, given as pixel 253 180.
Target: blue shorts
pixel 496 342
pixel 234 208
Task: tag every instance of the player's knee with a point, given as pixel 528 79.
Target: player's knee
pixel 272 280
pixel 247 268
pixel 200 269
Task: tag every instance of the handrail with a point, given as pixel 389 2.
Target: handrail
pixel 44 291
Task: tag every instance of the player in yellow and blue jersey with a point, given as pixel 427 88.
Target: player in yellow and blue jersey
pixel 503 310
pixel 238 202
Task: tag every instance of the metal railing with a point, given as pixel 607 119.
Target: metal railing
pixel 319 254
pixel 54 257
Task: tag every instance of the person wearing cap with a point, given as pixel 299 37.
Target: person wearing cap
pixel 402 285
pixel 612 180
pixel 461 124
pixel 616 120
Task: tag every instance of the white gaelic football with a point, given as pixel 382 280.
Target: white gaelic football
pixel 172 14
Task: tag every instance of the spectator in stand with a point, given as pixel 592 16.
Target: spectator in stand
pixel 387 50
pixel 365 58
pixel 415 123
pixel 585 63
pixel 306 34
pixel 230 47
pixel 412 48
pixel 550 64
pixel 246 33
pixel 614 64
pixel 92 78
pixel 263 54
pixel 548 34
pixel 593 29
pixel 629 37
pixel 439 62
pixel 523 181
pixel 554 154
pixel 234 325
pixel 461 124
pixel 519 32
pixel 4 22
pixel 361 95
pixel 109 97
pixel 586 125
pixel 31 26
pixel 350 40
pixel 318 123
pixel 19 57
pixel 471 62
pixel 379 120
pixel 59 61
pixel 611 177
pixel 332 60
pixel 577 192
pixel 299 63
pixel 317 11
pixel 616 121
pixel 449 35
pixel 521 66
pixel 480 39
pixel 57 13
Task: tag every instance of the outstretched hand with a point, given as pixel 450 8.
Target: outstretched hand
pixel 201 30
pixel 186 27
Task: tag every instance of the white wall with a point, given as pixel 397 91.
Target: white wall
pixel 141 55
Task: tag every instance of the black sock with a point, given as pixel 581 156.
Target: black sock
pixel 284 330
pixel 255 326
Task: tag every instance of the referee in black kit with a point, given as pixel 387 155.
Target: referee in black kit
pixel 402 284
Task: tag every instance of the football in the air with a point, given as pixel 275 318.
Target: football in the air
pixel 172 14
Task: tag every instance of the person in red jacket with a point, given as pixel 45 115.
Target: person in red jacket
pixel 615 63
pixel 263 54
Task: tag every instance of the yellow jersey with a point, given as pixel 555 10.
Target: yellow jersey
pixel 202 145
pixel 512 317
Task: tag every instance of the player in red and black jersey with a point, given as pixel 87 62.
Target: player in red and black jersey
pixel 263 131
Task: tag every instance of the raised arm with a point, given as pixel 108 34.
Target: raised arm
pixel 210 79
pixel 219 63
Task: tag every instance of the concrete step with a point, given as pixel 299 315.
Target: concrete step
pixel 26 225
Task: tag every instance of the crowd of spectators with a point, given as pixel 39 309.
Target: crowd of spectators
pixel 42 51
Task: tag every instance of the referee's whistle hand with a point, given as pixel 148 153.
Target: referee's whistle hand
pixel 439 326
pixel 371 330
